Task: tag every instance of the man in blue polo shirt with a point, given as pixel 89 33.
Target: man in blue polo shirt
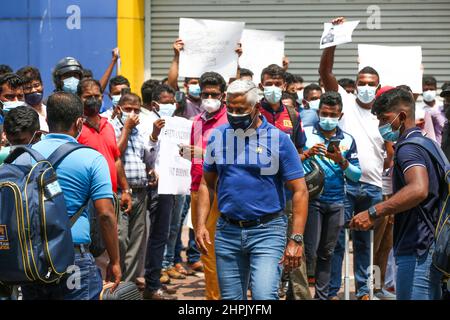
pixel 326 212
pixel 83 175
pixel 417 182
pixel 250 161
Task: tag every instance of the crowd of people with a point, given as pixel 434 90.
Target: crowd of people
pixel 256 224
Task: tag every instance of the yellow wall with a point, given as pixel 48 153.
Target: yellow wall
pixel 130 39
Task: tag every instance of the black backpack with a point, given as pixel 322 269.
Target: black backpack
pixel 441 255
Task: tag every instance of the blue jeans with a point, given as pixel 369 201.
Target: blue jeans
pixel 359 197
pixel 244 253
pixel 85 285
pixel 325 221
pixel 417 278
pixel 174 231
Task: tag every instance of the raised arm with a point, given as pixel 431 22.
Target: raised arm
pixel 105 78
pixel 172 77
pixel 326 64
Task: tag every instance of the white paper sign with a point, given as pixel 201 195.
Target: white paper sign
pixel 260 49
pixel 209 45
pixel 173 170
pixel 395 65
pixel 334 35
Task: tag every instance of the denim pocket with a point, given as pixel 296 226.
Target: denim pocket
pixel 221 223
pixel 278 224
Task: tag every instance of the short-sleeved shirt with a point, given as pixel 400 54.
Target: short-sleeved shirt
pixel 201 129
pixel 252 171
pixel 82 175
pixel 282 121
pixel 334 187
pixel 363 126
pixel 104 141
pixel 193 108
pixel 136 155
pixel 412 229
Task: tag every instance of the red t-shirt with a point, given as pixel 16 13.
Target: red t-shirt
pixel 104 141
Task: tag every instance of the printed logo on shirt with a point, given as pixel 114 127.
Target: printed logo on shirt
pixel 4 242
pixel 287 123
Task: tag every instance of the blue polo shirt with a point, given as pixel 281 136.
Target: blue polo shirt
pixel 252 170
pixel 334 187
pixel 412 229
pixel 83 174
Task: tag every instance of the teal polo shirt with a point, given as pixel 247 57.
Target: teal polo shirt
pixel 82 175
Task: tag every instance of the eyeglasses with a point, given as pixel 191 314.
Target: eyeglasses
pixel 213 95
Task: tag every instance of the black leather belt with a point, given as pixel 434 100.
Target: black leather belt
pixel 81 248
pixel 253 223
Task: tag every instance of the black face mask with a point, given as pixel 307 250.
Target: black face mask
pixel 33 99
pixel 92 106
pixel 240 121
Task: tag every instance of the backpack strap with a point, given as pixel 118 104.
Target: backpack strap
pixel 19 150
pixel 438 156
pixel 63 151
pixel 294 119
pixel 55 159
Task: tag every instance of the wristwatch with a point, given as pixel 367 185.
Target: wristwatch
pixel 373 213
pixel 130 191
pixel 297 237
pixel 343 162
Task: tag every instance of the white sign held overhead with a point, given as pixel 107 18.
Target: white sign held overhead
pixel 334 35
pixel 209 45
pixel 173 170
pixel 395 65
pixel 260 49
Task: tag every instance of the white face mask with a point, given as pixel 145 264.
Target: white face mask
pixel 9 105
pixel 429 95
pixel 314 104
pixel 166 109
pixel 366 94
pixel 211 105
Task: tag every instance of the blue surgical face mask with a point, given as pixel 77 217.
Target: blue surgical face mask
pixel 273 94
pixel 328 124
pixel 314 104
pixel 115 99
pixel 300 96
pixel 388 133
pixel 166 109
pixel 70 85
pixel 194 90
pixel 429 95
pixel 366 94
pixel 9 105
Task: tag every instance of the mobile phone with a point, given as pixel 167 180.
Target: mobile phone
pixel 180 96
pixel 332 144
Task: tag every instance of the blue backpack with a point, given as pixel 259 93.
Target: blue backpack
pixel 441 255
pixel 35 230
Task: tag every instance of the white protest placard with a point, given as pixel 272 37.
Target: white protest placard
pixel 173 170
pixel 209 45
pixel 395 65
pixel 334 35
pixel 261 48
